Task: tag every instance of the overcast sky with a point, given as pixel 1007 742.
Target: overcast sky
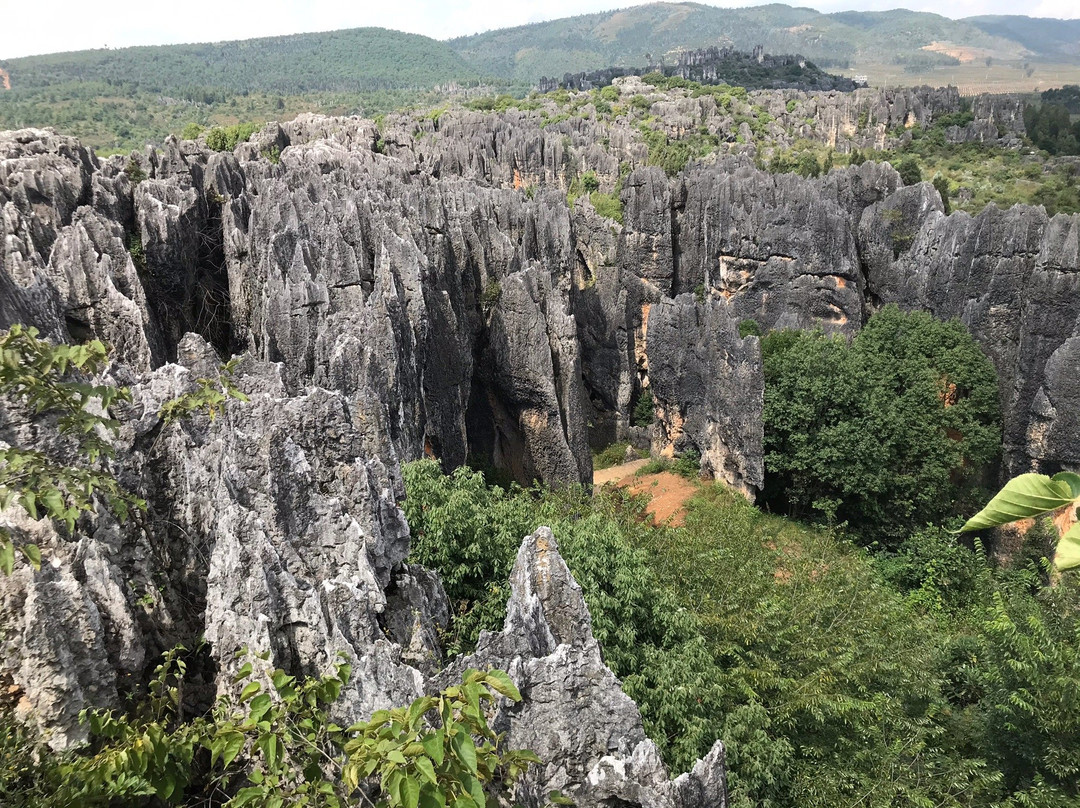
pixel 37 26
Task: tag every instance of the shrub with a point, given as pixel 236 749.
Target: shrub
pixel 909 171
pixel 191 131
pixel 607 205
pixel 489 298
pixel 644 410
pixel 275 745
pixel 613 455
pixel 749 328
pixel 134 171
pixel 890 431
pixel 941 183
pixel 688 464
pixel 226 138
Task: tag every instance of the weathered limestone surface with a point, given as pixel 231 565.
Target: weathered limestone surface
pixel 708 388
pixel 572 711
pixel 423 288
pixel 1012 276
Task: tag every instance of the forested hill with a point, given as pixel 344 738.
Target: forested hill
pixel 1050 39
pixel 356 60
pixel 850 38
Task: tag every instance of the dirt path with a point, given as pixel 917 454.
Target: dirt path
pixel 668 493
pixel 616 474
pixel 5 79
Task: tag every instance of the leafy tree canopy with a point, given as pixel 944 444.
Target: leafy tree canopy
pixel 892 429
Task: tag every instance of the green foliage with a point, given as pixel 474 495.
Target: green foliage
pixel 981 174
pixel 808 165
pixel 273 154
pixel 274 744
pixel 847 684
pixel 1067 96
pixel 1030 496
pixel 749 328
pixel 191 131
pixel 1050 127
pixel 909 171
pixel 887 432
pixel 134 171
pixel 673 155
pixel 607 205
pixel 209 397
pixel 656 465
pixel 1031 681
pixel 471 533
pixel 356 60
pixel 644 409
pixel 613 455
pixel 609 94
pixel 226 138
pixel 489 298
pixel 688 464
pixel 137 252
pixel 48 380
pixel 832 693
pixel 941 184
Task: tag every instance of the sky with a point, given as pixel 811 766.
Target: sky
pixel 32 27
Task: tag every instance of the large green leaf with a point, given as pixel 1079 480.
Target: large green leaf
pixel 1025 497
pixel 1068 549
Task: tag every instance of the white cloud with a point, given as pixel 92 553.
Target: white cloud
pixel 28 27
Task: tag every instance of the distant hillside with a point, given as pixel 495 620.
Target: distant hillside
pixel 1049 39
pixel 629 36
pixel 119 99
pixel 356 60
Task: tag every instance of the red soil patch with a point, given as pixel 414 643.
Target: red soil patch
pixel 667 493
pixel 5 79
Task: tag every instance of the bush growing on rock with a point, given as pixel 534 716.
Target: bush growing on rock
pixel 226 138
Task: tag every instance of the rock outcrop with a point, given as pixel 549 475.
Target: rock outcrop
pixel 1012 276
pixel 422 287
pixel 708 389
pixel 573 712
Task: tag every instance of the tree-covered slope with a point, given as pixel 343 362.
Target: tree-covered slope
pixel 1051 39
pixel 353 60
pixel 631 36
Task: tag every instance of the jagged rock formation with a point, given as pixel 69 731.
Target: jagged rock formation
pixel 423 288
pixel 571 705
pixel 714 65
pixel 1012 276
pixel 708 388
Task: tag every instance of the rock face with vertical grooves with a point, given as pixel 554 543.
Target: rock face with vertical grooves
pixel 423 288
pixel 708 388
pixel 1012 276
pixel 572 708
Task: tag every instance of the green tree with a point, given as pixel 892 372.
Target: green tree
pixel 891 431
pixel 941 183
pixel 909 171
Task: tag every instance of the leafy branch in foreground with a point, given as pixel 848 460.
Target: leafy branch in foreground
pixel 1030 496
pixel 48 379
pixel 275 745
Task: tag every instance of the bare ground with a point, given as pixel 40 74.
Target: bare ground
pixel 667 493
